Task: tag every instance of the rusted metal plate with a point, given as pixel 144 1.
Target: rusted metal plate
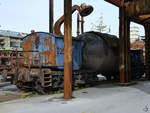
pixel 48 50
pixel 133 7
pixel 137 10
pixel 115 2
pixel 9 63
pixel 137 7
pixel 44 43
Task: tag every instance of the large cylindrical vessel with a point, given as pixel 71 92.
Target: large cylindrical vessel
pixel 100 53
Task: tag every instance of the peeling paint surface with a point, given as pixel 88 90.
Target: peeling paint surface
pixel 48 50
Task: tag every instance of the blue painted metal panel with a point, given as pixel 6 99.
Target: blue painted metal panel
pixel 51 50
pixel 59 51
pixel 40 44
pixel 76 53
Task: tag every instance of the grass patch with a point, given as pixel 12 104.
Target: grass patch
pixel 28 94
pixel 78 88
pixel 55 92
pixel 24 95
pixel 3 101
pixel 6 94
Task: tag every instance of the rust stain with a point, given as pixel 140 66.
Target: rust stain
pixel 46 53
pixel 49 55
pixel 46 41
pixel 50 49
pixel 27 46
pixel 53 54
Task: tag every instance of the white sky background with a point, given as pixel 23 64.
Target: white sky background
pixel 24 15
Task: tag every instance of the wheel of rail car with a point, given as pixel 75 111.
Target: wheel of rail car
pixel 4 75
pixel 38 87
pixel 20 85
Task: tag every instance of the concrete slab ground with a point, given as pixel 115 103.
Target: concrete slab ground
pixel 106 98
pixel 8 91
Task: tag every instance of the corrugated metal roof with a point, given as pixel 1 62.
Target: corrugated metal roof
pixel 14 34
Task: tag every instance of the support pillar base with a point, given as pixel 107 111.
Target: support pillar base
pixel 127 84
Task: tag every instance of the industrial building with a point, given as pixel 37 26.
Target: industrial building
pixel 11 40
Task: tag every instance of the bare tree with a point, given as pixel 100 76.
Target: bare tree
pixel 101 27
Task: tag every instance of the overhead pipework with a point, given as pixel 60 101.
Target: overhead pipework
pixel 83 10
pixel 80 23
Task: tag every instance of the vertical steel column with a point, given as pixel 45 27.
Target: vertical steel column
pixel 124 46
pixel 67 49
pixel 82 24
pixel 147 50
pixel 51 15
pixel 127 40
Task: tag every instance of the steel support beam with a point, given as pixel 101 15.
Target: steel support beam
pixel 124 29
pixel 51 16
pixel 147 50
pixel 67 49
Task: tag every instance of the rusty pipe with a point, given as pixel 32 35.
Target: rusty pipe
pixel 78 24
pixel 82 24
pixel 84 10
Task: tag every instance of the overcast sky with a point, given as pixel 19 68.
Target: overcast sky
pixel 24 15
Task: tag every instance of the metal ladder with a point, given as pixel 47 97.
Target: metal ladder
pixel 47 80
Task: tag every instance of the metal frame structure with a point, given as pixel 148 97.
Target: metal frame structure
pixel 137 11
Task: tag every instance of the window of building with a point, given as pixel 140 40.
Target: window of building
pixel 14 44
pixel 21 43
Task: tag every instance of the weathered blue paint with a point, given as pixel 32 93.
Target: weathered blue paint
pixel 137 63
pixel 47 44
pixel 76 53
